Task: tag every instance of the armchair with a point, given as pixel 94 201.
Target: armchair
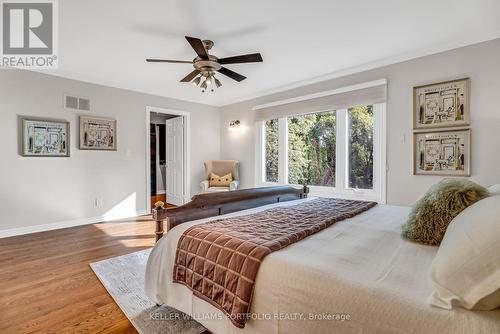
pixel 220 167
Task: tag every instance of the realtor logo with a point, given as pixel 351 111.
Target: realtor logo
pixel 29 34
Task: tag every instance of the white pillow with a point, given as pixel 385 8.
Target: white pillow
pixel 466 269
pixel 494 189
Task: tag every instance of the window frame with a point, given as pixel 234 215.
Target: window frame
pixel 378 193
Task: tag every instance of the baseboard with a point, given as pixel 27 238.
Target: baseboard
pixel 161 192
pixel 64 224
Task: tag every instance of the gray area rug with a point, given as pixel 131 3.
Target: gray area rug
pixel 123 277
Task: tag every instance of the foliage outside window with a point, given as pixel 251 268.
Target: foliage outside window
pixel 360 147
pixel 311 149
pixel 338 152
pixel 272 147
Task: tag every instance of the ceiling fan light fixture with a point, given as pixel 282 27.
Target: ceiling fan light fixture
pixel 207 65
pixel 204 85
pixel 217 82
pixel 197 81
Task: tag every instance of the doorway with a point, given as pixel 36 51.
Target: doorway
pixel 167 156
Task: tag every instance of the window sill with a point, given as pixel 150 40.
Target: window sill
pixel 333 192
pixel 362 195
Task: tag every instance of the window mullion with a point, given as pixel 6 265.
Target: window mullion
pixel 341 150
pixel 283 151
pixel 380 151
pixel 376 149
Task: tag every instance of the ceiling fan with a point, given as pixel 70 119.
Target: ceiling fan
pixel 206 65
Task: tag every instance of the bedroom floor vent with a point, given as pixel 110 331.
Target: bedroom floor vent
pixel 76 103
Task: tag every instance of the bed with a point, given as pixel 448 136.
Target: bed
pixel 357 276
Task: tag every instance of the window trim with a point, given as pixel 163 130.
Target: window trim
pixel 378 193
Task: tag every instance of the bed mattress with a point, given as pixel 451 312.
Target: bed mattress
pixel 357 276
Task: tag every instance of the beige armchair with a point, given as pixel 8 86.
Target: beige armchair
pixel 220 167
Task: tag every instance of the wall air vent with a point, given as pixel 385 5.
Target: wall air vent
pixel 76 103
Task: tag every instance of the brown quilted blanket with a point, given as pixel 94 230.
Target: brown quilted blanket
pixel 219 260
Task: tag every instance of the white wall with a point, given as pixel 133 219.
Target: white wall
pixel 36 191
pixel 480 62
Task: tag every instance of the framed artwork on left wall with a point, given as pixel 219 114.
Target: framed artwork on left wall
pixel 97 133
pixel 45 138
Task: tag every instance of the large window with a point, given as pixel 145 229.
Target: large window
pixel 335 152
pixel 271 140
pixel 360 147
pixel 311 149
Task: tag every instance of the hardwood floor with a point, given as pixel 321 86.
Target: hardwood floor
pixel 47 286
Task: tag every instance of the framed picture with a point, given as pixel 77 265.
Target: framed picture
pixel 445 104
pixel 45 138
pixel 97 133
pixel 442 153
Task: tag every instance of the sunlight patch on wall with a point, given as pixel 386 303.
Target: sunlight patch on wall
pixel 125 209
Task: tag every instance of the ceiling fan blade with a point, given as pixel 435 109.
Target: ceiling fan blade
pixel 169 61
pixel 190 76
pixel 250 58
pixel 198 47
pixel 231 74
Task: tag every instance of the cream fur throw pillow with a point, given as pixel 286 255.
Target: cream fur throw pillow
pixel 432 213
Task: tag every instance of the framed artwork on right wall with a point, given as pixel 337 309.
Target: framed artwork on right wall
pixel 442 152
pixel 444 104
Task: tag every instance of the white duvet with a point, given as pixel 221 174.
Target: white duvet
pixel 357 276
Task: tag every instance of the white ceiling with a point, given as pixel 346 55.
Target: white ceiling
pixel 106 42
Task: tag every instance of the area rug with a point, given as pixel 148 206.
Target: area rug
pixel 123 277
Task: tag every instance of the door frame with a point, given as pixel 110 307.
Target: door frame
pixel 187 151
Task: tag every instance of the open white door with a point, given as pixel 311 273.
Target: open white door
pixel 175 160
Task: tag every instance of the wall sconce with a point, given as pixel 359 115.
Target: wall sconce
pixel 234 125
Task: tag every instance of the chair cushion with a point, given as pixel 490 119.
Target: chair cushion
pixel 220 181
pixel 217 189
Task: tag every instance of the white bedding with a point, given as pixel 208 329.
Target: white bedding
pixel 360 268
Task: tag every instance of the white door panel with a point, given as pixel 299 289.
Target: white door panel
pixel 175 160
